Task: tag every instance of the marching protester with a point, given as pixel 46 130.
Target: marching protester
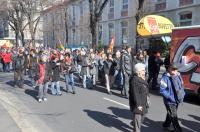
pixel 68 69
pixel 138 96
pixel 79 60
pixel 42 77
pixel 107 65
pixel 115 71
pixel 154 64
pixel 171 87
pixel 92 69
pixel 126 67
pixel 56 69
pixel 32 60
pixel 18 67
pixel 146 58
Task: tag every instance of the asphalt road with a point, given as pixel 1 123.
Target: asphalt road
pixel 87 111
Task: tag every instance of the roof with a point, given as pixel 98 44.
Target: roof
pixel 57 5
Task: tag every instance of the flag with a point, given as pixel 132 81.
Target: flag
pixel 111 45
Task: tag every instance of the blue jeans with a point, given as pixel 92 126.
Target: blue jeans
pixel 79 70
pixel 33 83
pixel 7 67
pixel 43 88
pixel 69 80
pixel 57 89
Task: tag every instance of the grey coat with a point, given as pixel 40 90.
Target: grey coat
pixel 92 67
pixel 126 63
pixel 85 64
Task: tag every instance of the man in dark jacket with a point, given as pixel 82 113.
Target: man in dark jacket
pixel 154 64
pixel 79 59
pixel 138 96
pixel 32 62
pixel 56 69
pixel 18 67
pixel 171 87
pixel 126 67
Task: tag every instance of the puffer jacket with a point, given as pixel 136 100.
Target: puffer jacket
pixel 167 91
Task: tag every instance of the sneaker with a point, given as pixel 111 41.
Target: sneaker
pixel 73 92
pixel 45 99
pixel 59 94
pixel 39 100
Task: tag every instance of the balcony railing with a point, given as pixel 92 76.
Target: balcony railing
pixel 160 6
pixel 185 2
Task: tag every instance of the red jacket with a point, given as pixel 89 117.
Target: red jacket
pixel 7 57
pixel 41 73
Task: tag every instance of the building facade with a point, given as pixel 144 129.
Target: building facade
pixel 181 12
pixel 118 21
pixel 67 24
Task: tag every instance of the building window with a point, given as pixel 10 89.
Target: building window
pixel 186 19
pixel 124 29
pixel 124 12
pixel 125 5
pixel 111 10
pixel 185 2
pixel 160 5
pixel 111 31
pixel 100 31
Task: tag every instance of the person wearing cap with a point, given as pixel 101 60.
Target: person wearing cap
pixel 138 96
pixel 172 90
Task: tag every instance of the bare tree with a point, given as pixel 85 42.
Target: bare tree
pixel 96 10
pixel 32 10
pixel 16 20
pixel 137 18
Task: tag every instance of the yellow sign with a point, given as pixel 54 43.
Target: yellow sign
pixel 154 25
pixel 6 43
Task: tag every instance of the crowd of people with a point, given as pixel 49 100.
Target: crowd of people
pixel 120 70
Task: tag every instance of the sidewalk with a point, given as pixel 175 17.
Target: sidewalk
pixel 7 123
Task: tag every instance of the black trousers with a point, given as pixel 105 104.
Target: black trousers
pixel 172 117
pixel 154 78
pixel 19 78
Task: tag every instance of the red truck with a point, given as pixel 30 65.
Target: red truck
pixel 185 51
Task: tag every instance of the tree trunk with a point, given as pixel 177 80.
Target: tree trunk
pixel 17 39
pixel 94 39
pixel 22 38
pixel 93 25
pixel 66 29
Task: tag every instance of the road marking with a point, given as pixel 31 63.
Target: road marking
pixel 25 122
pixel 116 102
